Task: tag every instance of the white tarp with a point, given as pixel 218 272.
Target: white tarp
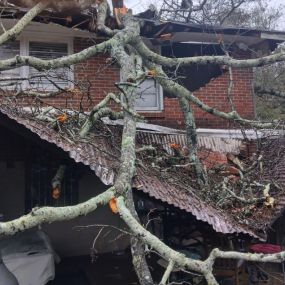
pixel 37 269
pixel 29 257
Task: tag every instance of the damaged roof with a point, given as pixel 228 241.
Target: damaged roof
pixel 103 159
pixel 72 18
pixel 154 29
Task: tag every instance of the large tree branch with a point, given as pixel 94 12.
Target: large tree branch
pixel 192 140
pixel 121 38
pixel 96 113
pixel 183 262
pixel 43 215
pixel 100 113
pixel 131 71
pixel 103 12
pixel 42 64
pixel 123 186
pixel 179 91
pixel 36 94
pixel 260 91
pixel 145 52
pixel 167 273
pixel 23 22
pixel 129 34
pixel 180 260
pixel 255 257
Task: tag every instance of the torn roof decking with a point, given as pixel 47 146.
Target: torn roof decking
pixel 209 34
pixel 103 160
pixel 168 26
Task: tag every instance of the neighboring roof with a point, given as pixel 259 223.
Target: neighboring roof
pixel 104 160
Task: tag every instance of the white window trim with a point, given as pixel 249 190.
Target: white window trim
pixel 159 89
pixel 28 37
pixel 159 100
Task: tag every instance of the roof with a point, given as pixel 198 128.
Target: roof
pixel 103 159
pixel 225 29
pixel 207 34
pixel 153 28
pixel 71 18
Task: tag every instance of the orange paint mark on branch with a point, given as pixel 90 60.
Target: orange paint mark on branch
pixel 166 37
pixel 56 193
pixel 152 73
pixel 175 146
pixel 121 11
pixel 113 205
pixel 62 118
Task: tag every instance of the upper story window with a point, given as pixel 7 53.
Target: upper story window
pixel 150 97
pixel 50 79
pixel 44 49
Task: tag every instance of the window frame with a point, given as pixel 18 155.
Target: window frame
pixel 25 40
pixel 159 89
pixel 159 99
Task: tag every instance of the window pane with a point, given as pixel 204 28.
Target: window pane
pixel 9 50
pixel 59 76
pixel 149 97
pixel 48 50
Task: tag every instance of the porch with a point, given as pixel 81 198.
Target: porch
pixel 27 166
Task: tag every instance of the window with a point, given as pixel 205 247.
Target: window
pixel 53 78
pixel 45 49
pixel 8 50
pixel 40 170
pixel 150 96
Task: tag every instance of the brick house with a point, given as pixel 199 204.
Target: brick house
pixel 209 83
pixel 32 151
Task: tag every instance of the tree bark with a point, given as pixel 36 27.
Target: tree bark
pixel 138 248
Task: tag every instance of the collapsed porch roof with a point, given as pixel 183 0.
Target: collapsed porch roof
pixel 104 160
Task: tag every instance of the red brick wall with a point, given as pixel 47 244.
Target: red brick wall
pixel 215 95
pixel 96 73
pixel 102 76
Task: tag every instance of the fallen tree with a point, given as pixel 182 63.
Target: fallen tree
pixel 137 62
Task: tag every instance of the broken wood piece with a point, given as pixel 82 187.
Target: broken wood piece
pixel 119 13
pixel 166 37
